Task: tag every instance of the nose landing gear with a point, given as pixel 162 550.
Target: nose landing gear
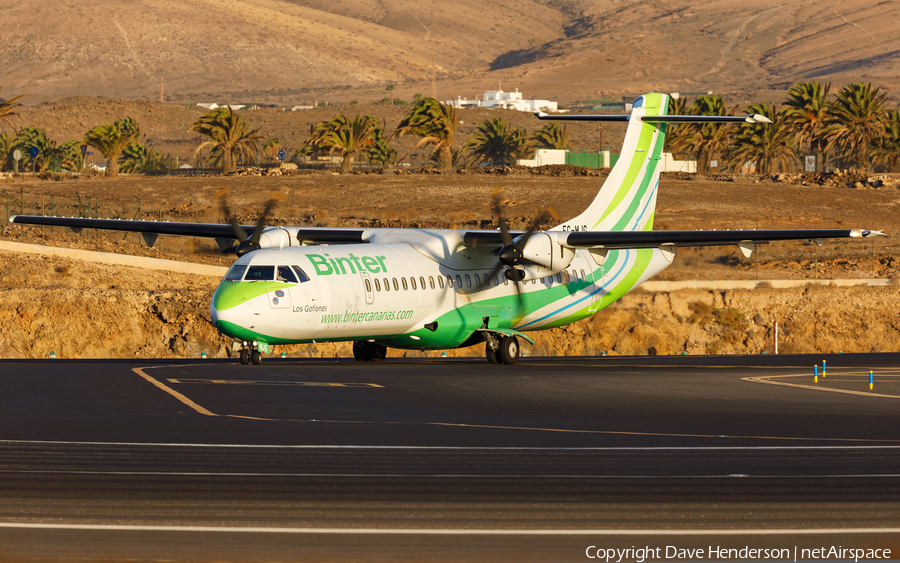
pixel 250 353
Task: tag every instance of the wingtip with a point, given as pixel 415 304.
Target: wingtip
pixel 540 114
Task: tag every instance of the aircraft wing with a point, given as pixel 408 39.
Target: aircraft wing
pixel 150 229
pixel 652 239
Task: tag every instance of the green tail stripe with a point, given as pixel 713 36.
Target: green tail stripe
pixel 628 216
pixel 634 168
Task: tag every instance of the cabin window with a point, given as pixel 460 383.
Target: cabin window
pixel 458 281
pixel 405 287
pixel 422 282
pixel 368 286
pixel 377 285
pixel 285 274
pixel 396 285
pixel 260 273
pixel 441 281
pixel 559 278
pixel 301 274
pixel 468 281
pixel 566 275
pixel 236 272
pixel 412 281
pixel 583 277
pixel 477 280
pixel 505 280
pixel 431 281
pixel 387 285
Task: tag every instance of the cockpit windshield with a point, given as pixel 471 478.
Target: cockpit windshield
pixel 285 274
pixel 236 273
pixel 301 274
pixel 260 273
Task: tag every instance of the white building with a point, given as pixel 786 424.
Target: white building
pixel 504 100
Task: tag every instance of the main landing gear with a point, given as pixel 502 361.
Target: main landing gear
pixel 501 350
pixel 249 353
pixel 368 351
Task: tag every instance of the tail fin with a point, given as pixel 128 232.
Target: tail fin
pixel 627 200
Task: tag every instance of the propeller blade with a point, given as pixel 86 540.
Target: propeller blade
pixel 239 232
pixel 501 220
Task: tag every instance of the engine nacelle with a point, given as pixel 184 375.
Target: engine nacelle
pixel 545 249
pixel 274 237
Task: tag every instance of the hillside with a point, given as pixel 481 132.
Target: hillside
pixel 294 51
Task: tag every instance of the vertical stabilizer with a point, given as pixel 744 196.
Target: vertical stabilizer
pixel 627 200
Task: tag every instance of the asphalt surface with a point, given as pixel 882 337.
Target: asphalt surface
pixel 446 460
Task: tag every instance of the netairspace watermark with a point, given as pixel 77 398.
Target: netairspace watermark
pixel 716 553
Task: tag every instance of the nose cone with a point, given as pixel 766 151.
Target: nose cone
pixel 223 310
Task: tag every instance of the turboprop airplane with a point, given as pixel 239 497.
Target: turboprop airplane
pixel 431 289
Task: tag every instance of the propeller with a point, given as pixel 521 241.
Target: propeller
pixel 246 243
pixel 510 255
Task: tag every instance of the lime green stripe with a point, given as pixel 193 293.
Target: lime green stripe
pixel 634 206
pixel 230 294
pixel 634 168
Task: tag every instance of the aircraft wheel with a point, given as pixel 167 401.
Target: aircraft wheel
pixel 377 352
pixel 256 357
pixel 245 356
pixel 509 350
pixel 491 355
pixel 360 351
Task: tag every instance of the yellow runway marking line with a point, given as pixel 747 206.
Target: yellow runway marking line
pixel 286 383
pixel 768 378
pixel 170 391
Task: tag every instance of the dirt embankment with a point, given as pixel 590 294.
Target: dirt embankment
pixel 85 310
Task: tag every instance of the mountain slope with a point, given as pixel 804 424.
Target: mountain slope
pixel 287 51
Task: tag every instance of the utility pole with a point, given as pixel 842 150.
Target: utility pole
pixel 161 90
pixel 433 71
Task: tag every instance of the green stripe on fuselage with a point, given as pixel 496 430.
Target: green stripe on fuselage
pixel 231 294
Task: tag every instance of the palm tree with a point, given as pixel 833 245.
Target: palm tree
pixel 436 124
pixel 678 136
pixel 33 137
pixel 139 159
pixel 111 139
pixel 806 112
pixel 551 136
pixel 708 141
pixel 888 154
pixel 69 156
pixel 769 145
pixel 343 136
pixel 270 149
pixel 458 156
pixel 229 136
pixel 856 122
pixel 6 144
pixel 495 141
pixel 381 151
pixel 7 108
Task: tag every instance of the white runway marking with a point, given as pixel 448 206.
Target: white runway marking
pixel 446 531
pixel 464 448
pixel 439 475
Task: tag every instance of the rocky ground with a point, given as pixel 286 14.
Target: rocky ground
pixel 78 309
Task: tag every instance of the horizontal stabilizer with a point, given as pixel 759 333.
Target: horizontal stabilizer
pixel 754 118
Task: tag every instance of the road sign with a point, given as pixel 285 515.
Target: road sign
pixel 33 151
pixel 17 154
pixel 809 163
pixel 83 150
pixel 281 155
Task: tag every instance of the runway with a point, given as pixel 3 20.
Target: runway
pixel 445 460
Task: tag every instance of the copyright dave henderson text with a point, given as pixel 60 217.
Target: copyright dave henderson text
pixel 670 552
